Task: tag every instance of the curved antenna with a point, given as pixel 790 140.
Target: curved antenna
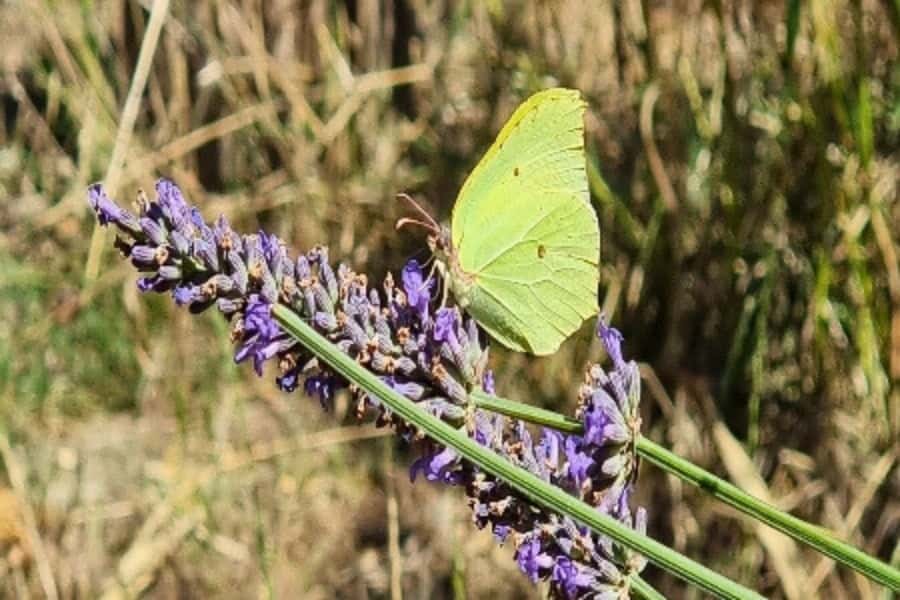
pixel 407 221
pixel 429 222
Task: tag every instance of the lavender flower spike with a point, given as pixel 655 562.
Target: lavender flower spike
pixel 432 358
pixel 608 406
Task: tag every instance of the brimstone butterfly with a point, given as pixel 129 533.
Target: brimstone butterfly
pixel 523 248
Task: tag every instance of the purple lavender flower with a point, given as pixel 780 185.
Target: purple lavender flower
pixel 418 289
pixel 533 560
pixel 109 212
pixel 608 406
pixel 391 333
pixel 262 338
pixel 430 358
pixel 439 464
pixel 598 467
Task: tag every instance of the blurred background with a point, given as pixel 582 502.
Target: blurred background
pixel 744 163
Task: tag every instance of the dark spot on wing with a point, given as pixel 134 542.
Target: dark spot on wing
pixel 542 250
pixel 516 172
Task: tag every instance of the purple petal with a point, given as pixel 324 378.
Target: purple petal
pixel 612 341
pixel 436 466
pixel 172 203
pixel 487 383
pixel 109 212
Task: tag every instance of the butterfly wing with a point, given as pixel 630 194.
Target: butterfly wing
pixel 524 230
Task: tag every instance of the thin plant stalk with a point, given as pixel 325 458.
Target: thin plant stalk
pixel 812 535
pixel 527 484
pixel 644 590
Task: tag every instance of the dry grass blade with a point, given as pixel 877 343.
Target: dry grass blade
pixel 657 168
pixel 135 572
pixel 783 554
pixel 18 479
pixel 198 137
pixel 393 522
pixel 850 522
pixel 364 85
pixel 158 13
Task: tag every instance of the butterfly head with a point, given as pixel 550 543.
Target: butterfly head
pixel 446 258
pixel 438 236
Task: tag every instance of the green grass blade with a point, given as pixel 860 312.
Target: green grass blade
pixel 793 26
pixel 525 483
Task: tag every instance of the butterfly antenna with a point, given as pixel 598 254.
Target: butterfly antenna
pixel 408 221
pixel 432 224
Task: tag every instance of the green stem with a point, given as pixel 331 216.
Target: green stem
pixel 812 535
pixel 526 412
pixel 527 484
pixel 644 590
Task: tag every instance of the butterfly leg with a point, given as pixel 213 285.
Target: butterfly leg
pixel 442 271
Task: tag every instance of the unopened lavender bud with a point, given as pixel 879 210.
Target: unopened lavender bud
pixel 611 466
pixel 322 300
pixel 170 272
pixel 374 299
pixel 454 390
pixel 186 294
pixel 109 212
pixel 218 284
pixel 383 344
pixel 412 346
pixel 143 202
pixel 254 254
pixel 447 353
pixel 381 363
pixel 309 301
pixel 383 331
pixel 273 253
pixel 206 252
pixel 229 306
pixel 357 304
pixel 172 203
pixel 302 268
pixel 326 321
pixel 180 242
pixel 153 230
pixel 153 283
pixel 409 389
pixel 404 365
pixel 326 275
pixel 143 257
pixel 357 334
pixel 269 289
pixel 423 362
pixel 238 271
pixel 223 234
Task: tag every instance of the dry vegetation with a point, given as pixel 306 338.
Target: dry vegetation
pixel 744 165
